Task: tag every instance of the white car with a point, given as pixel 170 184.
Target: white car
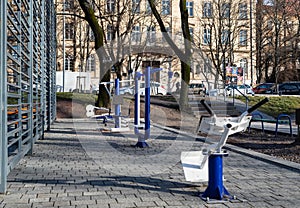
pixel 238 89
pixel 156 88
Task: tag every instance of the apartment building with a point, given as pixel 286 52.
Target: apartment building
pixel 222 36
pixel 278 40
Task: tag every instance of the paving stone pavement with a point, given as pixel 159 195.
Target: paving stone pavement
pixel 78 166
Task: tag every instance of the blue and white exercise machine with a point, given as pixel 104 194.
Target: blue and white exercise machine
pixel 142 137
pixel 117 117
pixel 197 163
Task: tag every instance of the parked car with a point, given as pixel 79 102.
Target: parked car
pixel 238 89
pixel 197 88
pixel 289 88
pixel 156 88
pixel 264 88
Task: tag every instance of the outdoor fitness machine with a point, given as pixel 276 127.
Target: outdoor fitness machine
pixel 213 154
pixel 137 103
pixel 117 101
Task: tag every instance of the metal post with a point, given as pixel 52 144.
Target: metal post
pixel 117 106
pixel 64 46
pixel 147 102
pixel 251 44
pixel 215 189
pixel 170 74
pixel 30 73
pixel 137 101
pixel 3 97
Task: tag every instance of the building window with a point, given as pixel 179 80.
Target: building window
pixel 69 5
pixel 198 69
pixel 110 33
pixel 148 8
pixel 192 33
pixel 136 6
pixel 270 24
pixel 225 37
pixel 165 7
pixel 151 35
pixel 91 35
pixel 207 66
pixel 91 63
pixel 207 9
pixel 242 11
pixel 244 65
pixel 69 31
pixel 243 38
pixel 69 63
pixel 190 8
pixel 110 6
pixel 206 35
pixel 136 34
pixel 225 10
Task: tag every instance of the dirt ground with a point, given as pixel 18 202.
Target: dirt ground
pixel 282 146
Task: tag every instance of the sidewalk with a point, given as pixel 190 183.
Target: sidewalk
pixel 77 166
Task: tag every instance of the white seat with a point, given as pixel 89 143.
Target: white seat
pixel 195 163
pixel 195 166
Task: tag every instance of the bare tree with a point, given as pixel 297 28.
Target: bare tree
pixel 185 56
pixel 277 39
pixel 221 22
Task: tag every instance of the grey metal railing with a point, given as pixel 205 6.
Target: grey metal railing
pixel 27 38
pixel 234 87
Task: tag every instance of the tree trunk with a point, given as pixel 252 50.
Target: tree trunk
pixel 185 63
pixel 103 97
pixel 185 57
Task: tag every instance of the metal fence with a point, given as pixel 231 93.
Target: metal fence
pixel 27 54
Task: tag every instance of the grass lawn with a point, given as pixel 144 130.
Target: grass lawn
pixel 276 104
pixel 79 97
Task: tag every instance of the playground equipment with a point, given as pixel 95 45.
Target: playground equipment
pixel 117 118
pixel 197 163
pixel 215 125
pixel 137 125
pixel 117 102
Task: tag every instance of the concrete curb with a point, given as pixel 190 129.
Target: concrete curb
pixel 265 158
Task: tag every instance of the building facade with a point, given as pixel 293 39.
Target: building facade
pixel 222 35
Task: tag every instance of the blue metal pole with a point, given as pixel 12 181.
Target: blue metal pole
pixel 215 189
pixel 142 138
pixel 117 106
pixel 147 103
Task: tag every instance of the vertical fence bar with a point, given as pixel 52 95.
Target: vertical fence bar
pixel 3 100
pixel 43 101
pixel 31 74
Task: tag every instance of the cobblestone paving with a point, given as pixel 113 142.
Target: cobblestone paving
pixel 77 166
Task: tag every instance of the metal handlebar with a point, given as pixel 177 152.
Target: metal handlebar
pixel 207 107
pixel 257 105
